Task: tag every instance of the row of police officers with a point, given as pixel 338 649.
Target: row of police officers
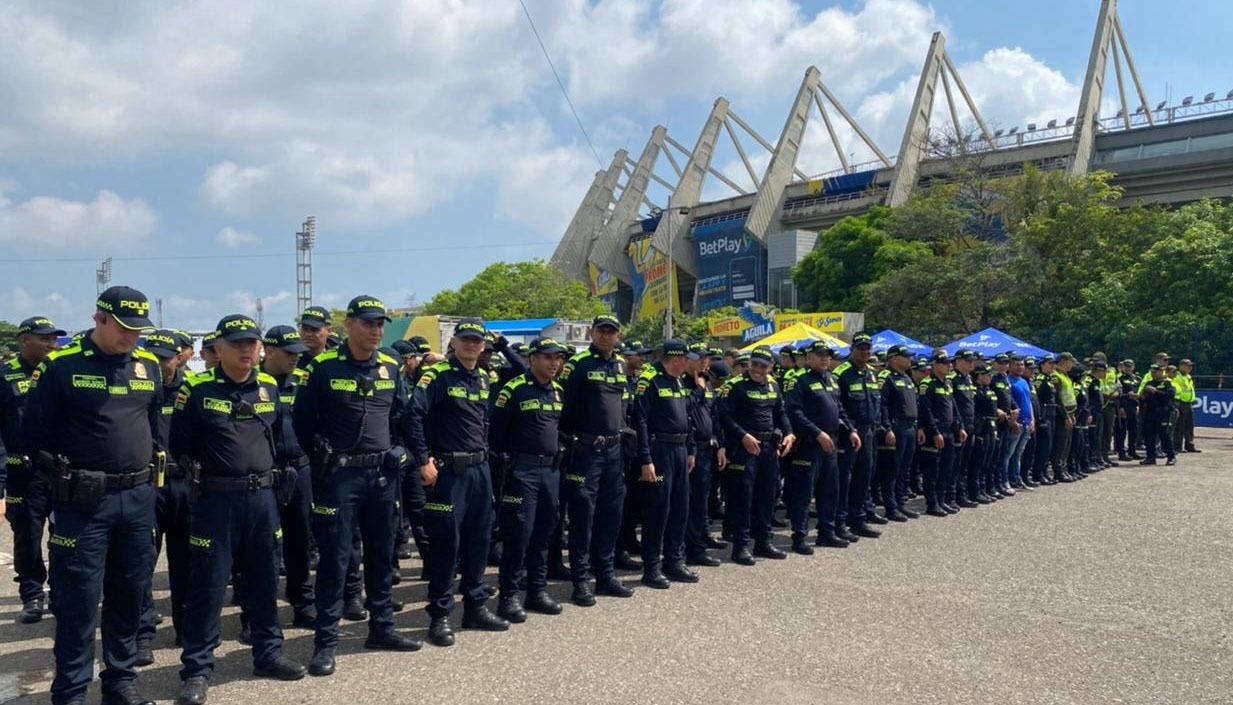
pixel 288 452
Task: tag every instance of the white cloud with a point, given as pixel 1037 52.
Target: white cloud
pixel 232 238
pixel 55 222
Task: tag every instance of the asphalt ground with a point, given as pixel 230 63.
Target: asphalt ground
pixel 1116 589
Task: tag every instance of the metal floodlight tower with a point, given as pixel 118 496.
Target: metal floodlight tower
pixel 102 275
pixel 304 242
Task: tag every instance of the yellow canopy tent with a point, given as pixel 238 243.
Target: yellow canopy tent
pixel 796 333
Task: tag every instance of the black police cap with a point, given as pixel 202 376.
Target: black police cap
pixel 284 338
pixel 404 348
pixel 966 354
pixel 545 346
pixel 763 355
pixel 470 328
pixel 898 351
pixel 162 343
pixel 38 325
pixel 420 343
pixel 129 307
pixel 183 339
pixel 606 320
pixel 208 340
pixel 677 348
pixel 315 317
pixel 862 339
pixel 367 308
pixel 237 326
pixel 941 357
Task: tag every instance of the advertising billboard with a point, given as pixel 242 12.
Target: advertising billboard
pixel 731 265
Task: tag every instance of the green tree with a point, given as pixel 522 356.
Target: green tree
pixel 8 337
pixel 512 290
pixel 849 256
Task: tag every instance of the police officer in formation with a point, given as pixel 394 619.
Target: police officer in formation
pixel 446 427
pixel 221 464
pixel 345 416
pixel 91 425
pixel 26 494
pixel 758 434
pixel 666 457
pixel 227 428
pixel 525 427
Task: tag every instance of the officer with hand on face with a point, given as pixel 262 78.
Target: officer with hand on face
pixel 283 350
pixel 708 437
pixel 666 456
pixel 525 426
pixel 1158 395
pixel 344 417
pixel 208 356
pixel 28 501
pixel 227 427
pixel 91 423
pixel 445 428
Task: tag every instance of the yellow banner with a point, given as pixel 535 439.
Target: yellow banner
pixel 826 322
pixel 602 283
pixel 651 287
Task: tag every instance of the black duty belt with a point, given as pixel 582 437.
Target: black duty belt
pixel 767 436
pixel 670 437
pixel 358 460
pixel 249 483
pixel 904 422
pixel 535 458
pixel 126 480
pixel 460 460
pixel 599 442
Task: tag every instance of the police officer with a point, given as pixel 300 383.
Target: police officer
pixel 1045 387
pixel 283 351
pixel 1183 384
pixel 596 397
pixel 415 352
pixel 1009 430
pixel 1127 438
pixel 315 331
pixel 1158 395
pixel 227 427
pixel 208 356
pixel 635 352
pixel 899 414
pixel 171 506
pixel 445 428
pixel 861 399
pixel 344 417
pixel 91 423
pixel 666 453
pixel 708 438
pixel 525 426
pixel 24 494
pixel 941 432
pixel 985 427
pixel 968 469
pixel 819 421
pixel 758 433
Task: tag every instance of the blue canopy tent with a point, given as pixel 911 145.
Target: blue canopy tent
pixel 992 341
pixel 884 340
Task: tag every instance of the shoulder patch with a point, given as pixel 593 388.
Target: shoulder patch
pixel 73 349
pixel 144 354
pixel 382 357
pixel 265 378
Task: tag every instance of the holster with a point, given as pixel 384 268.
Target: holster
pixel 284 484
pixel 80 490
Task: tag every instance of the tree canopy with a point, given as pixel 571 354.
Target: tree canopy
pixel 1047 257
pixel 512 290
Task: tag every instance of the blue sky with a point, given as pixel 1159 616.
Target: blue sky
pixel 149 129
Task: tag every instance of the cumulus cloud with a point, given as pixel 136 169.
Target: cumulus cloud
pixel 57 222
pixel 234 239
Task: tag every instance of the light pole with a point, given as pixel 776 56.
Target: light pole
pixel 668 322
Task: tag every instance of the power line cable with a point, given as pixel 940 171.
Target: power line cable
pixel 561 84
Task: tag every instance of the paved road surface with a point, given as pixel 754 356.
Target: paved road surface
pixel 1118 589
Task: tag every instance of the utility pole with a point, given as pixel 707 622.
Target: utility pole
pixel 158 306
pixel 304 242
pixel 260 313
pixel 102 275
